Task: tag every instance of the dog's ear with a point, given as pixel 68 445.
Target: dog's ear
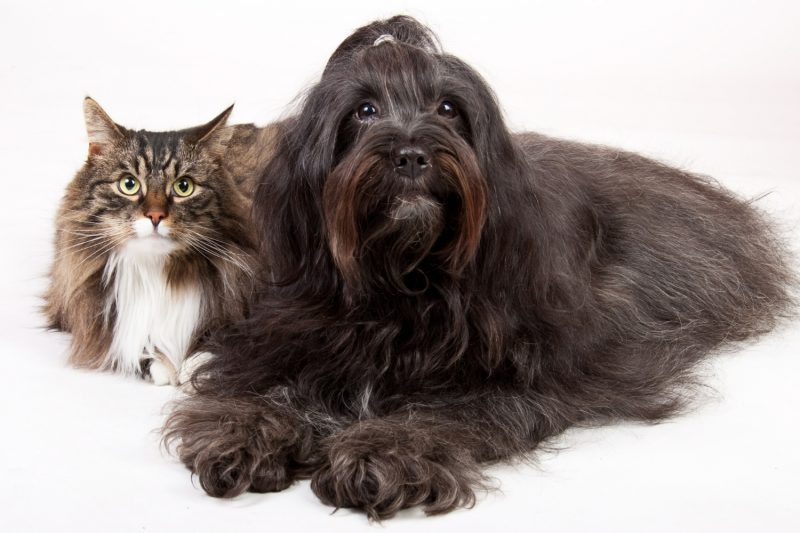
pixel 489 135
pixel 314 134
pixel 286 212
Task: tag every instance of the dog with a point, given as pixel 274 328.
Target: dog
pixel 440 293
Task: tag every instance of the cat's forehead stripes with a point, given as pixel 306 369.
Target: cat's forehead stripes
pixel 171 168
pixel 159 156
pixel 141 167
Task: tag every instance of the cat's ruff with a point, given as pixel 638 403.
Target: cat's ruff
pixel 151 315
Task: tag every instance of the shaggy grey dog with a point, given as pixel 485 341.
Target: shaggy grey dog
pixel 440 293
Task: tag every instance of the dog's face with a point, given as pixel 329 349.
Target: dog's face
pixel 405 193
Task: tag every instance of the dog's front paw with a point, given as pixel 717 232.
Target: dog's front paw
pixel 233 446
pixel 384 472
pixel 238 470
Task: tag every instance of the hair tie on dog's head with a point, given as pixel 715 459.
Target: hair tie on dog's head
pixel 385 38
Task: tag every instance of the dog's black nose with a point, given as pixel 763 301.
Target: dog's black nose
pixel 411 161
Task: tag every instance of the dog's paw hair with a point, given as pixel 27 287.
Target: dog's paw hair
pixel 234 446
pixel 383 474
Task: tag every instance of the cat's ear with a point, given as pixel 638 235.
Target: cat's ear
pixel 214 136
pixel 103 132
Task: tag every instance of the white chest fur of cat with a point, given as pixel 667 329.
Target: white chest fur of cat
pixel 153 319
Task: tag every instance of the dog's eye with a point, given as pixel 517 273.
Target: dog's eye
pixel 366 111
pixel 447 109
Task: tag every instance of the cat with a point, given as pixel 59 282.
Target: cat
pixel 153 244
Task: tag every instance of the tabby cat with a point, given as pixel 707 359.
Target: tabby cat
pixel 153 244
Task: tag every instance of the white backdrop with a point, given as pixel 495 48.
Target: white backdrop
pixel 714 88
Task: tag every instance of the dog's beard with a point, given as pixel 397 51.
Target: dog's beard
pixel 391 231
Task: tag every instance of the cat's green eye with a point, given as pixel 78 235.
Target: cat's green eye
pixel 183 187
pixel 128 185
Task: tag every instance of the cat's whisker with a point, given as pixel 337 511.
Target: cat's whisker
pixel 81 247
pixel 96 223
pixel 101 251
pixel 226 283
pixel 223 253
pixel 87 244
pixel 221 242
pixel 209 240
pixel 96 235
pixel 199 245
pixel 90 232
pixel 81 241
pixel 107 248
pixel 218 249
pixel 230 258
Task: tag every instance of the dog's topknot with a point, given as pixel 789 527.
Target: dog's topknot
pixel 400 28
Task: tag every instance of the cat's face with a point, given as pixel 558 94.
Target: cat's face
pixel 155 192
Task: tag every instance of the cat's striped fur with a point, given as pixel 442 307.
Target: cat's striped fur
pixel 139 279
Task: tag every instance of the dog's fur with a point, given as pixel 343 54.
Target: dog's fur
pixel 414 328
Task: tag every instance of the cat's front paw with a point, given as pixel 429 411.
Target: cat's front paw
pixel 161 375
pixel 159 371
pixel 190 366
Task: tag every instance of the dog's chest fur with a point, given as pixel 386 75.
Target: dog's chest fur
pixel 152 316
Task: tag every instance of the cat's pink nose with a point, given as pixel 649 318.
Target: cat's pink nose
pixel 156 215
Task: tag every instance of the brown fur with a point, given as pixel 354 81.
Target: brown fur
pixel 93 220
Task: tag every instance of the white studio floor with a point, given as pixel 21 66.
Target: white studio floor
pixel 713 88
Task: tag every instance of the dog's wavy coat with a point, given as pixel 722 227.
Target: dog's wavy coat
pixel 445 293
